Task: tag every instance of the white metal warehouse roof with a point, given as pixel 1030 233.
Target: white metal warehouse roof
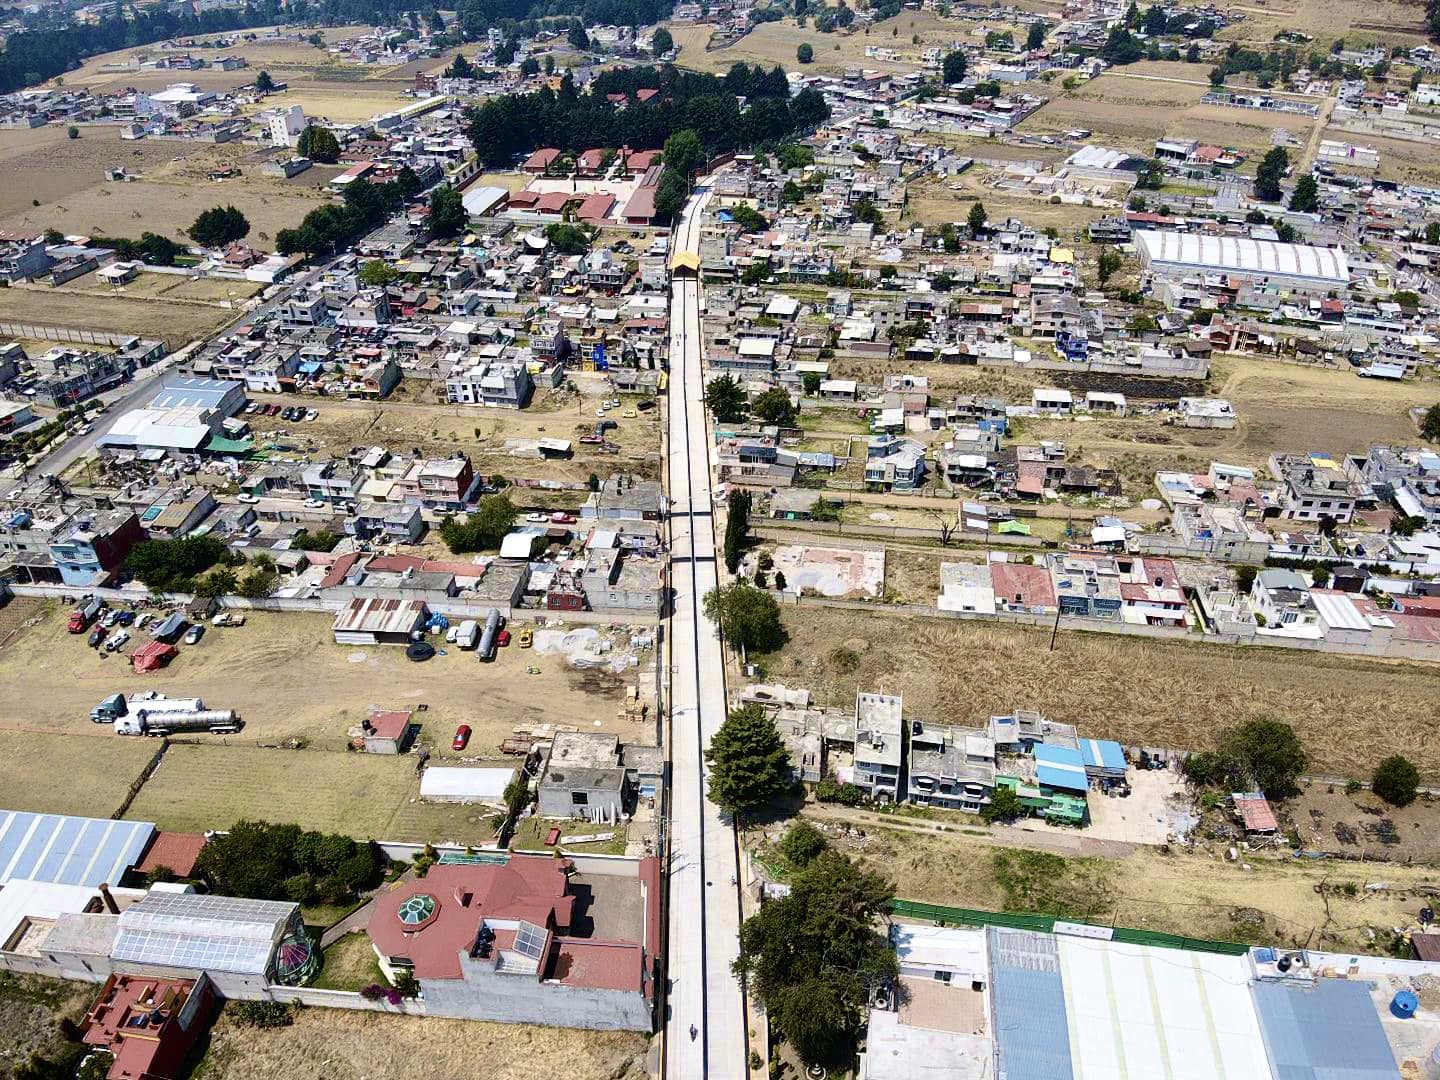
pixel 1244 255
pixel 69 850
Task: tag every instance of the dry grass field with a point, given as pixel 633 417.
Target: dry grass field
pixel 1130 109
pixel 30 1012
pixel 168 287
pixel 334 1044
pixel 1397 22
pixel 1270 899
pixel 174 188
pixel 1405 160
pixel 177 323
pixel 93 782
pixel 482 433
pixel 338 102
pixel 775 43
pixel 932 202
pixel 1132 689
pixel 210 785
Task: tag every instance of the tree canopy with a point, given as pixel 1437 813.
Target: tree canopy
pixel 1270 173
pixel 1396 780
pixel 747 616
pixel 749 765
pixel 261 861
pixel 218 226
pixel 510 125
pixel 318 144
pixel 482 530
pixel 1305 199
pixel 774 407
pixel 166 565
pixel 813 956
pixel 725 398
pixel 661 42
pixel 447 212
pixel 952 68
pixel 1258 755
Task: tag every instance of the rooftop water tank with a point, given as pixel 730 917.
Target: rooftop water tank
pixel 1404 1004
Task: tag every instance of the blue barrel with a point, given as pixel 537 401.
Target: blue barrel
pixel 1404 1004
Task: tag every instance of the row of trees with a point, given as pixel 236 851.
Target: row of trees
pixel 707 105
pixel 366 206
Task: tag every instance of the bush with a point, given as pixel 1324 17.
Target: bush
pixel 1396 780
pixel 263 1014
pixel 801 843
pixel 828 790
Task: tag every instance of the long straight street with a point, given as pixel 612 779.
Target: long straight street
pixel 705 1025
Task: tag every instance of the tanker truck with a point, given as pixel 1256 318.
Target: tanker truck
pixel 211 721
pixel 118 705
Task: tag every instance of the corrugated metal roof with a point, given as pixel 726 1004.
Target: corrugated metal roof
pixel 1245 255
pixel 1032 1032
pixel 1060 766
pixel 69 850
pixel 1329 1031
pixel 192 930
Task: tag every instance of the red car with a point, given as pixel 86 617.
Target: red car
pixel 562 518
pixel 503 638
pixel 462 737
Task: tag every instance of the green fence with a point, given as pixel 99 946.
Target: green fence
pixel 1045 924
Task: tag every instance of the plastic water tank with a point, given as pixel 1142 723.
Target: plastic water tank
pixel 1404 1004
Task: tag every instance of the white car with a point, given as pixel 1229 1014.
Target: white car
pixel 117 640
pixel 314 504
pixel 538 519
pixel 599 412
pixel 311 414
pixel 248 499
pixel 451 634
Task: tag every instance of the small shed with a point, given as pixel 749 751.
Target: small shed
pixel 1255 813
pixel 387 731
pixel 1103 758
pixel 376 621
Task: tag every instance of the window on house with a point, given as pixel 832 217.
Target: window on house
pixel 579 798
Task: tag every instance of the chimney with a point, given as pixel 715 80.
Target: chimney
pixel 110 904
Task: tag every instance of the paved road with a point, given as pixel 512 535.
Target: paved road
pixel 704 915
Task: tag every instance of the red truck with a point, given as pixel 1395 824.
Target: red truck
pixel 84 615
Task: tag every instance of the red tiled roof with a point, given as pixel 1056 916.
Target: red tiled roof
pixel 600 965
pixel 389 723
pixel 522 199
pixel 528 887
pixel 596 207
pixel 1031 583
pixel 1425 606
pixel 176 850
pixel 541 159
pixel 339 569
pixel 553 202
pixel 641 160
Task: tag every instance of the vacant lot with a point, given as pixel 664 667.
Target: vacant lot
pixel 30 1012
pixel 1390 21
pixel 1132 108
pixel 334 1044
pixel 174 188
pixel 148 287
pixel 1328 819
pixel 1135 690
pixel 176 323
pixel 340 103
pixel 933 202
pixel 368 796
pixel 1400 159
pixel 288 679
pixel 482 432
pixel 1270 899
pixel 775 43
pixel 69 774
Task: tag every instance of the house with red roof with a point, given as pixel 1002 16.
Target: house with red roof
pixel 1022 587
pixel 149 1024
pixel 526 940
pixel 592 162
pixel 540 161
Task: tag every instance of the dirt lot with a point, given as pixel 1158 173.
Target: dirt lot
pixel 1400 159
pixel 177 323
pixel 338 102
pixel 1132 689
pixel 1269 899
pixel 934 203
pixel 480 432
pixel 1363 825
pixel 67 180
pixel 312 688
pixel 334 1044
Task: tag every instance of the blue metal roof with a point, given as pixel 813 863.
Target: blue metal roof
pixel 1102 754
pixel 1060 767
pixel 69 850
pixel 1326 1032
pixel 1032 1034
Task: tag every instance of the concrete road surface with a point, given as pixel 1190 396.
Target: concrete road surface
pixel 704 915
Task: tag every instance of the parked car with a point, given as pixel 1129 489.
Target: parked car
pixel 462 738
pixel 527 639
pixel 503 638
pixel 142 620
pixel 252 408
pixel 247 498
pixel 629 414
pixel 272 409
pixel 314 504
pixel 194 634
pixel 562 518
pixel 312 414
pixel 126 618
pixel 97 636
pixel 117 640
